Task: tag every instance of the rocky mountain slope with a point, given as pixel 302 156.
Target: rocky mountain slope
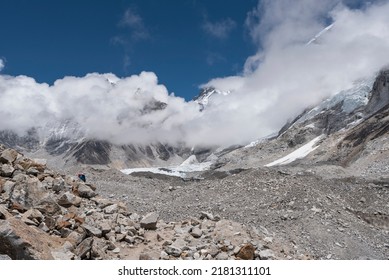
pixel 46 215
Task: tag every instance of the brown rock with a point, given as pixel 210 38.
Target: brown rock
pixel 8 156
pixel 22 242
pixel 246 252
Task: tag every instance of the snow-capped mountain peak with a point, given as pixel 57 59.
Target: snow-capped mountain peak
pixel 204 97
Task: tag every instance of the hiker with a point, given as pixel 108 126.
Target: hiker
pixel 82 177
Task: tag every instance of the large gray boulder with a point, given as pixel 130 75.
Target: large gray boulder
pixel 150 221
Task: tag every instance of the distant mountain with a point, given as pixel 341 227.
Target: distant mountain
pixel 205 96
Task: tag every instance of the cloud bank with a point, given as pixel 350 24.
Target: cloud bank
pixel 283 78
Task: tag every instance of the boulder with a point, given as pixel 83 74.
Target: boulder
pixel 173 251
pixel 6 170
pixel 22 242
pixel 266 254
pixel 84 249
pixel 111 209
pixel 29 192
pixel 68 199
pixel 8 156
pixel 85 191
pixel 150 221
pixel 247 252
pixel 92 231
pixel 196 232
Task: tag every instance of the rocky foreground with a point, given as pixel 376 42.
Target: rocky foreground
pixel 47 215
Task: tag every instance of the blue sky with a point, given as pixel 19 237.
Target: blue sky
pixel 186 43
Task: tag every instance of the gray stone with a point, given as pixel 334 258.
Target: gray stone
pixel 173 251
pixel 58 184
pixel 34 215
pixel 105 228
pixel 68 199
pixel 92 231
pixel 129 239
pixel 6 170
pixel 196 232
pixel 65 252
pixel 32 171
pixel 150 221
pixel 222 256
pixel 209 216
pixel 84 249
pixel 164 256
pixel 266 254
pixel 111 209
pixel 85 191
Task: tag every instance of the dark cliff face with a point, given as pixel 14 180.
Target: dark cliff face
pixel 92 152
pixel 380 93
pixel 374 126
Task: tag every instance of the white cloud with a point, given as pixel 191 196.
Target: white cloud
pixel 220 29
pixel 286 76
pixel 277 83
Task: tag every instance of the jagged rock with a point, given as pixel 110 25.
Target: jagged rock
pixel 26 163
pixel 76 237
pixel 246 252
pixel 33 215
pixel 98 249
pixel 28 194
pixel 105 227
pixel 6 170
pixel 209 216
pixel 222 256
pixel 196 232
pixel 150 221
pixel 266 254
pixel 32 171
pixel 65 252
pixel 8 156
pixel 102 202
pixel 111 209
pixel 164 255
pixel 173 251
pixel 22 242
pixel 84 249
pixel 68 199
pixel 48 205
pixel 92 231
pixel 4 214
pixel 85 191
pixel 58 184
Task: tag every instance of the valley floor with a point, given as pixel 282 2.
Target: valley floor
pixel 303 215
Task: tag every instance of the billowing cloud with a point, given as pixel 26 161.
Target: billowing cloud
pixel 286 76
pixel 283 78
pixel 219 29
